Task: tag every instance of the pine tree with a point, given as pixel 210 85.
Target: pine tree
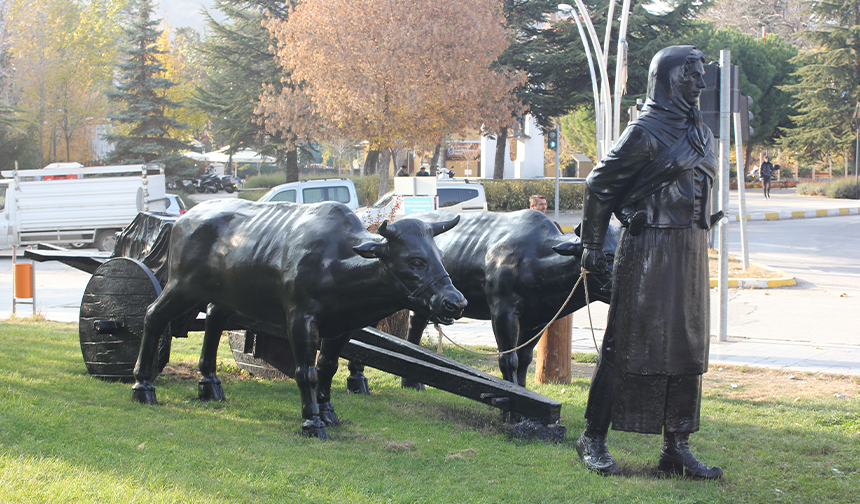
pixel 145 130
pixel 240 63
pixel 828 87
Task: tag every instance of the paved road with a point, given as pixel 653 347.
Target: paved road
pixel 823 254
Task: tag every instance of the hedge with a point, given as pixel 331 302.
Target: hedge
pixel 513 194
pixel 502 195
pixel 845 188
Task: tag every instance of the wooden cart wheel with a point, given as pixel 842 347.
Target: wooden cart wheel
pixel 111 321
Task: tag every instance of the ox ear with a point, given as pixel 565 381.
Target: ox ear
pixel 569 249
pixel 371 249
pixel 441 227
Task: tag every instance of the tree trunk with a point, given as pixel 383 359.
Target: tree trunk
pixel 501 143
pixel 370 162
pixel 383 172
pixel 293 165
pixel 554 352
pixel 434 162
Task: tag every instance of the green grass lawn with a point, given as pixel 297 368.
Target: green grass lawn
pixel 66 437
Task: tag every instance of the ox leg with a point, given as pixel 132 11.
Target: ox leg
pixel 327 363
pixel 356 382
pixel 417 324
pixel 168 306
pixel 304 340
pixel 506 328
pixel 525 355
pixel 209 386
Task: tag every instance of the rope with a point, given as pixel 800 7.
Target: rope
pixel 582 278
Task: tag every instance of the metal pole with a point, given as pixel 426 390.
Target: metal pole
pixel 598 117
pixel 725 113
pixel 856 156
pixel 606 39
pixel 557 148
pixel 620 70
pixel 742 189
pixel 606 97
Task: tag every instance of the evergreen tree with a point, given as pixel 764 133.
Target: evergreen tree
pixel 828 86
pixel 144 131
pixel 240 63
pixel 555 60
pixel 766 66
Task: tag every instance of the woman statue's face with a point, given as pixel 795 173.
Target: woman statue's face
pixel 692 82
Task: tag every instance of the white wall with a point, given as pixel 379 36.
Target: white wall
pixel 529 163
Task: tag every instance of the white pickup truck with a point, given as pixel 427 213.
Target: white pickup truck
pixel 76 205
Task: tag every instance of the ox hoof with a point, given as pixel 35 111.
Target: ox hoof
pixel 534 429
pixel 144 393
pixel 210 389
pixel 328 416
pixel 406 383
pixel 357 384
pixel 314 428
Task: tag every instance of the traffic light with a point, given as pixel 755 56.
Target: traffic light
pixel 552 139
pixel 709 100
pixel 746 117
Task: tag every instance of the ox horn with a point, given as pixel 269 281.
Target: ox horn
pixel 441 227
pixel 388 234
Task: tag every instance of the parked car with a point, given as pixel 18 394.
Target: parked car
pixel 459 196
pixel 314 191
pixel 175 205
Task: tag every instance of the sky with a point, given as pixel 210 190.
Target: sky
pixel 181 13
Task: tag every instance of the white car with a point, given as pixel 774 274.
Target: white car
pixel 175 205
pixel 314 191
pixel 451 196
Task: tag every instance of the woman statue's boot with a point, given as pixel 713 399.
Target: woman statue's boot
pixel 591 445
pixel 592 450
pixel 675 458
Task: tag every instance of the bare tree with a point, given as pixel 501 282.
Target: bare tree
pixel 785 18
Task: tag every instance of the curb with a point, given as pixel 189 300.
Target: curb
pixel 759 283
pixel 799 214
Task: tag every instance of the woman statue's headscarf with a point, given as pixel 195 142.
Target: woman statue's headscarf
pixel 666 109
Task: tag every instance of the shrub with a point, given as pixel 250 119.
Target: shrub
pixel 836 188
pixel 842 188
pixel 366 189
pixel 509 195
pixel 811 189
pixel 266 181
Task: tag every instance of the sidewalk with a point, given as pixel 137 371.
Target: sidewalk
pixel 785 355
pixel 782 204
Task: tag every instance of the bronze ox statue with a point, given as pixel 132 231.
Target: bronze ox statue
pixel 515 269
pixel 311 269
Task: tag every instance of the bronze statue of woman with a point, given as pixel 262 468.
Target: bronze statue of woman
pixel 656 180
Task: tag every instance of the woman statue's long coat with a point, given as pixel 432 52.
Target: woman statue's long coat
pixel 662 167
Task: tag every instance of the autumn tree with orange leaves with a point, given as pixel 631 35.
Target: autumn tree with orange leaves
pixel 397 74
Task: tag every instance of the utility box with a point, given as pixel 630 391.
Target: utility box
pixel 584 165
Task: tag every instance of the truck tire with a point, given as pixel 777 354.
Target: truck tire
pixel 106 239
